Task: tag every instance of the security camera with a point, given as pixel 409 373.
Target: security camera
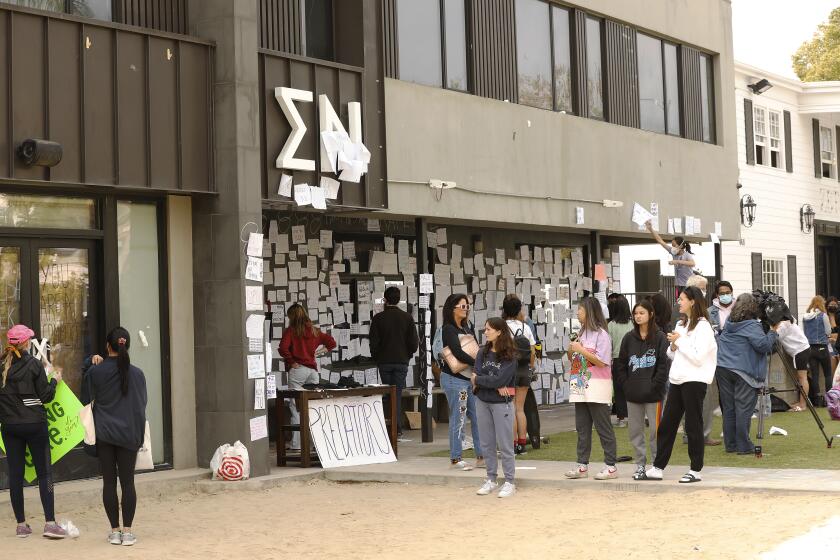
pixel 40 152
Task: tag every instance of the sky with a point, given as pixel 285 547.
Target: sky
pixel 767 32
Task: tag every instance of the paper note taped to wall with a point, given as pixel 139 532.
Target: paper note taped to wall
pixel 255 245
pixel 254 326
pixel 259 428
pixel 640 215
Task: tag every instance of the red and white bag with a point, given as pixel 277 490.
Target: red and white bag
pixel 231 462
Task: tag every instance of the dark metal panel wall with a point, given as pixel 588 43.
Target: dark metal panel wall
pixel 163 108
pixel 64 71
pixel 493 53
pixel 578 35
pixel 161 15
pixel 132 132
pixel 692 114
pixel 622 86
pixel 98 102
pixel 389 33
pixel 28 85
pixel 6 158
pixel 280 26
pixel 194 81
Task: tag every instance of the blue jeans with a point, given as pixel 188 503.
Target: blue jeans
pixel 737 403
pixel 394 374
pixel 461 401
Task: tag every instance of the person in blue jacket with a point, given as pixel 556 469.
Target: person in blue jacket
pixel 743 347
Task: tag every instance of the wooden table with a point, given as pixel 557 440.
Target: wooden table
pixel 302 398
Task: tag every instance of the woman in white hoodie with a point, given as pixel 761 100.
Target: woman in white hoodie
pixel 693 351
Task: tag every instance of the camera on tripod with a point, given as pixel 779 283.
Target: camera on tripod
pixel 772 309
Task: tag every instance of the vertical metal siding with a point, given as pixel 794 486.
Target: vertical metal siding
pixel 389 31
pixel 162 15
pixel 692 115
pixel 280 25
pixel 493 53
pixel 579 89
pixel 749 132
pixel 622 75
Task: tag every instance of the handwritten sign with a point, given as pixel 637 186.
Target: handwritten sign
pixel 350 431
pixel 65 429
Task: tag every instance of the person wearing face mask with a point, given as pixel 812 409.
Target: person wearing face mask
pixel 721 305
pixel 682 259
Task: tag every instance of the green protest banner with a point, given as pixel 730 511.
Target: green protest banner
pixel 63 424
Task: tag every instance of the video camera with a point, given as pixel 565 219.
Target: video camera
pixel 772 309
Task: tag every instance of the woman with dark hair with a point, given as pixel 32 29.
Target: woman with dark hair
pixel 741 370
pixel 300 347
pixel 693 353
pixel 513 314
pixel 457 386
pixel 681 258
pixel 662 311
pixel 117 391
pixel 591 388
pixel 495 367
pixel 642 368
pixel 619 325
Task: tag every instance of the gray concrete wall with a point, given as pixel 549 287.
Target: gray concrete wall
pixel 181 330
pixel 499 147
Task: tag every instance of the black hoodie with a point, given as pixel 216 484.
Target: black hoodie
pixel 642 367
pixel 26 391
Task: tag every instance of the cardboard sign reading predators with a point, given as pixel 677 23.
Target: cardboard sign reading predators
pixel 350 431
pixel 64 427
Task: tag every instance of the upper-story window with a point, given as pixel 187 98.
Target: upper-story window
pixel 97 9
pixel 594 69
pixel 707 98
pixel 651 83
pixel 768 137
pixel 318 29
pixel 562 59
pixel 422 32
pixel 533 53
pixel 455 37
pixel 827 152
pixel 672 89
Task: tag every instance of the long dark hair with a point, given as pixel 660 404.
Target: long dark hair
pixel 505 347
pixel 682 244
pixel 662 310
pixel 449 309
pixel 652 326
pixel 594 320
pixel 619 309
pixel 698 306
pixel 120 341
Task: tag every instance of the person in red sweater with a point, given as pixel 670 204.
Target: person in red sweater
pixel 298 349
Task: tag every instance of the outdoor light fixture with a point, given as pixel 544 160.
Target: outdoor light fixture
pixel 760 86
pixel 806 218
pixel 748 210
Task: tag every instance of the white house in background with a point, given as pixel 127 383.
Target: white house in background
pixel 788 142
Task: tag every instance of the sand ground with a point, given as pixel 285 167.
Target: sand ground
pixel 320 519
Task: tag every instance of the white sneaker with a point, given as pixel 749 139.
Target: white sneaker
pixel 582 471
pixel 115 537
pixel 489 486
pixel 508 490
pixel 654 474
pixel 462 466
pixel 607 473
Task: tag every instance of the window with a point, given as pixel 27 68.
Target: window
pixel 96 9
pixel 707 98
pixel 594 69
pixel 456 44
pixel 562 60
pixel 651 84
pixel 318 29
pixel 827 152
pixel 760 132
pixel 775 139
pixel 773 276
pixel 419 41
pixel 533 53
pixel 672 89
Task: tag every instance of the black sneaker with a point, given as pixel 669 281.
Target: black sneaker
pixel 519 449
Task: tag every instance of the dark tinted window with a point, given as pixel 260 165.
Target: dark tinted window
pixel 594 69
pixel 562 60
pixel 672 89
pixel 456 44
pixel 707 98
pixel 97 9
pixel 318 17
pixel 651 87
pixel 533 53
pixel 418 23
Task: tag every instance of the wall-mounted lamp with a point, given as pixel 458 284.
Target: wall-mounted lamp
pixel 760 86
pixel 806 218
pixel 748 206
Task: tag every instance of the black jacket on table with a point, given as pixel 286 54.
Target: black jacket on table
pixel 491 374
pixel 642 367
pixel 393 336
pixel 119 419
pixel 26 391
pixel 449 336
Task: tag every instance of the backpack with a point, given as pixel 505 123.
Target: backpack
pixel 523 347
pixel 832 401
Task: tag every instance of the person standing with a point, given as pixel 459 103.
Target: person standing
pixel 298 347
pixel 513 315
pixel 393 341
pixel 495 368
pixel 817 327
pixel 796 345
pixel 591 388
pixel 743 347
pixel 25 390
pixel 831 306
pixel 662 312
pixel 117 391
pixel 693 353
pixel 458 386
pixel 642 369
pixel 681 258
pixel 620 323
pixel 721 305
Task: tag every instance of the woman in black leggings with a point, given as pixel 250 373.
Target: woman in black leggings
pixel 118 392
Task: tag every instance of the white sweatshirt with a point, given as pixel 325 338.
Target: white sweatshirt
pixel 793 339
pixel 695 358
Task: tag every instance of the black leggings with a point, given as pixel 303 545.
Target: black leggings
pixel 17 437
pixel 112 460
pixel 820 357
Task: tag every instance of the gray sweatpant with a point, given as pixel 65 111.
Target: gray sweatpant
pixel 495 429
pixel 636 413
pixel 710 403
pixel 597 414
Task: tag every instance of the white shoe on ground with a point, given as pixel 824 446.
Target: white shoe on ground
pixel 607 473
pixel 582 471
pixel 462 466
pixel 488 487
pixel 508 490
pixel 654 474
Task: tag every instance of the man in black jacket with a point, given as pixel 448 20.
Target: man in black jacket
pixel 393 340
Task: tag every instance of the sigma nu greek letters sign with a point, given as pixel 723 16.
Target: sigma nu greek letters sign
pixel 350 431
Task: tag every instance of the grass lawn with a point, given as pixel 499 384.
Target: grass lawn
pixel 803 447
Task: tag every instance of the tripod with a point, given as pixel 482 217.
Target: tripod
pixel 764 391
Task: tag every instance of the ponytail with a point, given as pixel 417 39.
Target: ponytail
pixel 6 359
pixel 119 340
